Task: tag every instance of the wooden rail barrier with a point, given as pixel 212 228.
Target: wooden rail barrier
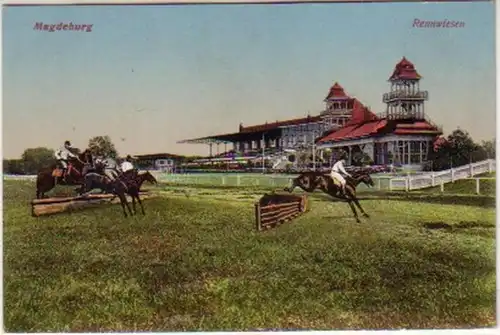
pixel 274 209
pixel 47 206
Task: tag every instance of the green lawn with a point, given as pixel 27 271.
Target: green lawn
pixel 467 186
pixel 195 262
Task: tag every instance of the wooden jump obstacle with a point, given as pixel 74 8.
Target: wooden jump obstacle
pixel 48 206
pixel 274 209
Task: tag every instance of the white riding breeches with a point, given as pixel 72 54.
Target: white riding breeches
pixel 339 177
pixel 111 174
pixel 63 163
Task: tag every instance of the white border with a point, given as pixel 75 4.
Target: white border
pixel 95 2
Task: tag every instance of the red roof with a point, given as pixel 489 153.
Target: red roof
pixel 419 127
pixel 367 129
pixel 355 131
pixel 339 134
pixel 405 70
pixel 360 113
pixel 416 125
pixel 336 92
pixel 372 127
pixel 277 124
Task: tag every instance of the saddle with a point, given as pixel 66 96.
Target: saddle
pixel 57 172
pixel 336 182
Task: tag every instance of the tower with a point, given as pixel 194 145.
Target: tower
pixel 338 108
pixel 405 101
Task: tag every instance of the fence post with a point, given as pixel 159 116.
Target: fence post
pixel 477 186
pixel 379 184
pixel 442 185
pixel 490 166
pixel 390 184
pixel 433 176
pixel 407 184
pixel 452 175
pixel 257 216
pixel 238 180
pixel 223 180
pixel 471 170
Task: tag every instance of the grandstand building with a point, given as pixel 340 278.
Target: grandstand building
pixel 401 135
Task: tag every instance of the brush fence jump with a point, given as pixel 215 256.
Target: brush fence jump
pixel 47 206
pixel 275 209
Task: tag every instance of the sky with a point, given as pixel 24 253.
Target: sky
pixel 149 76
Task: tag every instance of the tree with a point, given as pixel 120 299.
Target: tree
pixel 13 166
pixel 489 148
pixel 102 145
pixel 458 149
pixel 36 158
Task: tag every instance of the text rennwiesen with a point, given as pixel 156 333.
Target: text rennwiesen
pixel 437 24
pixel 63 27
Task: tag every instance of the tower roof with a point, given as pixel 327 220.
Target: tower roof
pixel 336 91
pixel 405 70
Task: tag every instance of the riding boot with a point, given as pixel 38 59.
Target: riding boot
pixel 64 175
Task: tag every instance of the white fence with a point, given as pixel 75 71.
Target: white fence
pixel 432 179
pixel 382 182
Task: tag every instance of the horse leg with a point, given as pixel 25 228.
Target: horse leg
pixel 360 208
pixel 353 208
pixel 140 203
pixel 128 206
pixel 124 202
pixel 133 202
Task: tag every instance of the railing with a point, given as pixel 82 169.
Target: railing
pixel 382 181
pixel 432 179
pixel 387 97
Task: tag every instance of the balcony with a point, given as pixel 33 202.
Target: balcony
pixel 337 112
pixel 402 95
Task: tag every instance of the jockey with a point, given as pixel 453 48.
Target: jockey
pixel 62 156
pixel 127 164
pixel 338 169
pixel 109 166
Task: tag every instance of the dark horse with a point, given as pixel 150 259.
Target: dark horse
pixel 116 187
pixel 128 183
pixel 311 180
pixel 48 177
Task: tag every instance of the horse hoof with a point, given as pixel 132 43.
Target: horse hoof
pixel 366 215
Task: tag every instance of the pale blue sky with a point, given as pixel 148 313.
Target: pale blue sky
pixel 201 70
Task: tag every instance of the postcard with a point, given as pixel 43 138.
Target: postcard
pixel 249 167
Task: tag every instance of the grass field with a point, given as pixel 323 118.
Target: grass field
pixel 195 262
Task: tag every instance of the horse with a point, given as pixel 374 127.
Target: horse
pixel 311 180
pixel 131 181
pixel 116 187
pixel 47 178
pixel 134 181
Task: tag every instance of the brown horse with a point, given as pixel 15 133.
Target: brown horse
pixel 128 183
pixel 134 181
pixel 117 187
pixel 311 180
pixel 48 177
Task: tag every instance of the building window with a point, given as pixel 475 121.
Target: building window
pixel 415 152
pixel 425 150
